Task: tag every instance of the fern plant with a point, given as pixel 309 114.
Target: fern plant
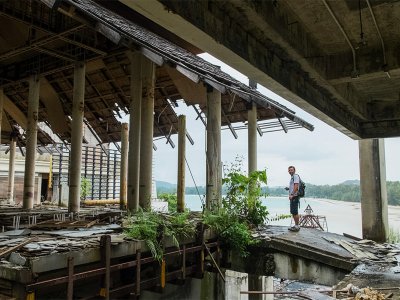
pixel 153 228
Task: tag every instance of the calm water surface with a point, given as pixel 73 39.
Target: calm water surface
pixel 342 217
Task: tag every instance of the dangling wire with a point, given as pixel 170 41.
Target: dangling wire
pixel 194 181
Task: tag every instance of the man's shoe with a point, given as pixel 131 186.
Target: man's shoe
pixel 294 228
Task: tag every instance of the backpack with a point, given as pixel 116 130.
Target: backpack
pixel 302 188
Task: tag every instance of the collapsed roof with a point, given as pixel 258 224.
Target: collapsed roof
pixel 47 37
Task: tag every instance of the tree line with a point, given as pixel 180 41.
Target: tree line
pixel 343 192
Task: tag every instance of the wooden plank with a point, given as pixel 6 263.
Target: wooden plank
pixel 360 253
pixel 9 250
pixel 313 295
pixel 348 248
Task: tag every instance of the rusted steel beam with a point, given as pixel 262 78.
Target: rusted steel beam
pixel 184 262
pixel 70 287
pixel 162 274
pixel 113 268
pixel 214 262
pixel 105 243
pixel 138 265
pixel 149 283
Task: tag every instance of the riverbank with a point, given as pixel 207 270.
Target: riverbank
pixel 342 217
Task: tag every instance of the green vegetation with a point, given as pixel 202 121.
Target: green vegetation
pixel 394 236
pixel 85 187
pixel 172 201
pixel 241 208
pixel 155 227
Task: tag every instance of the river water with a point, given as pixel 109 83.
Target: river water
pixel 341 217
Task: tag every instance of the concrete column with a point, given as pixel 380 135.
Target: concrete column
pixel 374 204
pixel 234 283
pixel 267 286
pixel 213 151
pixel 31 142
pixel 1 109
pixel 252 139
pixel 181 162
pixel 135 117
pixel 11 170
pixel 76 138
pixel 146 135
pixel 124 165
pixel 255 281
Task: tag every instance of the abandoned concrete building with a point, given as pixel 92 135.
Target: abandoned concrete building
pixel 72 69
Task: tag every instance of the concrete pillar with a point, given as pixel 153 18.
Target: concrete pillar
pixel 255 281
pixel 76 138
pixel 135 117
pixel 1 109
pixel 374 204
pixel 181 162
pixel 11 170
pixel 213 151
pixel 252 138
pixel 146 135
pixel 31 142
pixel 234 283
pixel 124 165
pixel 268 286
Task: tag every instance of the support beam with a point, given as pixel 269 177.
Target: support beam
pixel 55 113
pixel 181 162
pixel 11 170
pixel 31 142
pixel 252 138
pixel 76 138
pixel 213 151
pixel 15 113
pixel 146 135
pixel 1 109
pixel 374 205
pixel 124 165
pixel 135 111
pixel 264 57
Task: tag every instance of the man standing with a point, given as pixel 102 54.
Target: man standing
pixel 294 197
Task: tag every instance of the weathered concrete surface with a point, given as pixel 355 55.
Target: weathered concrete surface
pixel 311 244
pixel 376 276
pixel 374 203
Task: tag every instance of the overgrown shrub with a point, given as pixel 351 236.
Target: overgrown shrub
pixel 85 187
pixel 172 201
pixel 241 210
pixel 155 227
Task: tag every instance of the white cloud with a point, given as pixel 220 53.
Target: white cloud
pixel 324 156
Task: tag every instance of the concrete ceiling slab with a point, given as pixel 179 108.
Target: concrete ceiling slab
pixel 331 58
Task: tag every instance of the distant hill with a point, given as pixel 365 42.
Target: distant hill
pixel 164 184
pixel 351 182
pixel 348 190
pixel 165 187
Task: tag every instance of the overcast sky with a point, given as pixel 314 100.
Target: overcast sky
pixel 323 156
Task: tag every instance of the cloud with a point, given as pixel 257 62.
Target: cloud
pixel 324 156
